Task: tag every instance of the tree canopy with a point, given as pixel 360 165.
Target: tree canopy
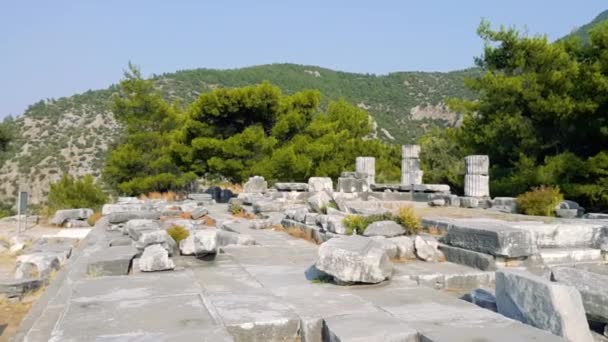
pixel 541 115
pixel 235 133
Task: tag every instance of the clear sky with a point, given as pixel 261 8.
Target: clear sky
pixel 50 49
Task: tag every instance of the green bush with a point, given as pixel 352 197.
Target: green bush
pixel 178 233
pixel 409 220
pixel 70 193
pixel 354 224
pixel 235 209
pixel 540 201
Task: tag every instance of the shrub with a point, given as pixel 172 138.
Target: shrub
pixel 178 233
pixel 71 193
pixel 354 224
pixel 235 209
pixel 409 220
pixel 540 201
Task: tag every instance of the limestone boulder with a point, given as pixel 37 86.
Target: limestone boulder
pixel 155 258
pixel 36 265
pixel 492 238
pixel 260 224
pixel 205 241
pixel 134 228
pixel 63 216
pixel 405 247
pixel 547 305
pixel 256 184
pixel 155 237
pixel 319 201
pixel 389 247
pixel 384 228
pixel 267 205
pixel 334 224
pixel 592 286
pixel 316 184
pixel 427 249
pixel 354 259
pixel 199 212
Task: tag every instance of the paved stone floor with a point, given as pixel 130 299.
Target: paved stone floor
pixel 261 293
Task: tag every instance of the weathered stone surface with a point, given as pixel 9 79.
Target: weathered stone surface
pixel 352 185
pixel 134 228
pixel 368 211
pixel 77 224
pixel 484 262
pixel 113 261
pixel 368 327
pixel 505 204
pixel 410 151
pixel 316 184
pixel 62 216
pixel 205 242
pixel 108 209
pixel 12 288
pixel 592 286
pixel 200 197
pixel 483 298
pixel 476 186
pixel 384 228
pixel 260 224
pixel 366 166
pixel 596 216
pixel 431 187
pixel 226 238
pixel 538 302
pixel 256 184
pixel 311 218
pixel 405 247
pixel 156 237
pixel 266 206
pixel 354 259
pixel 427 249
pixel 334 224
pixel 291 186
pixel 492 238
pixel 319 201
pixel 477 165
pixel 389 247
pixel 199 212
pixel 17 244
pixel 409 177
pixel 469 202
pixel 121 217
pixel 566 213
pixel 155 258
pixel 36 265
pixel 567 204
pixel 437 202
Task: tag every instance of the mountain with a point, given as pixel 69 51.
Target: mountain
pixel 72 134
pixel 583 31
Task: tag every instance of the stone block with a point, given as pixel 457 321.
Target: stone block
pixel 266 206
pixel 484 262
pixel 411 177
pixel 36 265
pixel 405 247
pixel 352 185
pixel 543 304
pixel 134 228
pixel 199 212
pixel 113 261
pixel 427 249
pixel 377 326
pixel 291 187
pixel 477 165
pixel 155 258
pixel 319 201
pixel 410 151
pixel 354 259
pixel 492 238
pixel 121 217
pixel 316 184
pixel 593 288
pixel 367 167
pixel 566 213
pixel 476 186
pixel 432 188
pixel 469 202
pixel 64 215
pixel 384 228
pixel 255 184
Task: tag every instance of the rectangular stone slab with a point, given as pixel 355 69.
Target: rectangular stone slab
pixel 113 261
pixel 592 286
pixel 368 327
pixel 482 261
pixel 492 238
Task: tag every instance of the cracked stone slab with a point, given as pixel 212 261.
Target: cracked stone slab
pixel 368 327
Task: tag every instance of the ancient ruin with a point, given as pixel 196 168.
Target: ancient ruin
pixel 293 261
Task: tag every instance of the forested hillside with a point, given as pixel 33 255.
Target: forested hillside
pixel 72 134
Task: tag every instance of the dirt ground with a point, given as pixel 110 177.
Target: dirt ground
pixel 11 315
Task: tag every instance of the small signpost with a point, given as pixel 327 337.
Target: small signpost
pixel 22 210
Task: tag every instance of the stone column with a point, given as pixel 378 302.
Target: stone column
pixel 476 178
pixel 410 165
pixel 366 166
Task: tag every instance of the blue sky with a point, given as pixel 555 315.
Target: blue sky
pixel 50 49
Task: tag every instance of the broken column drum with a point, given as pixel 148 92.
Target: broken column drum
pixel 367 167
pixel 476 179
pixel 410 165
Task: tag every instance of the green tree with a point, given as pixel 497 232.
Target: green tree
pixel 541 113
pixel 70 193
pixel 141 161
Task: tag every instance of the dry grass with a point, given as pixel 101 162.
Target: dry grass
pixel 295 232
pixel 403 260
pixel 12 313
pixel 186 215
pixel 434 231
pixel 207 221
pixel 94 218
pixel 167 196
pixel 245 215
